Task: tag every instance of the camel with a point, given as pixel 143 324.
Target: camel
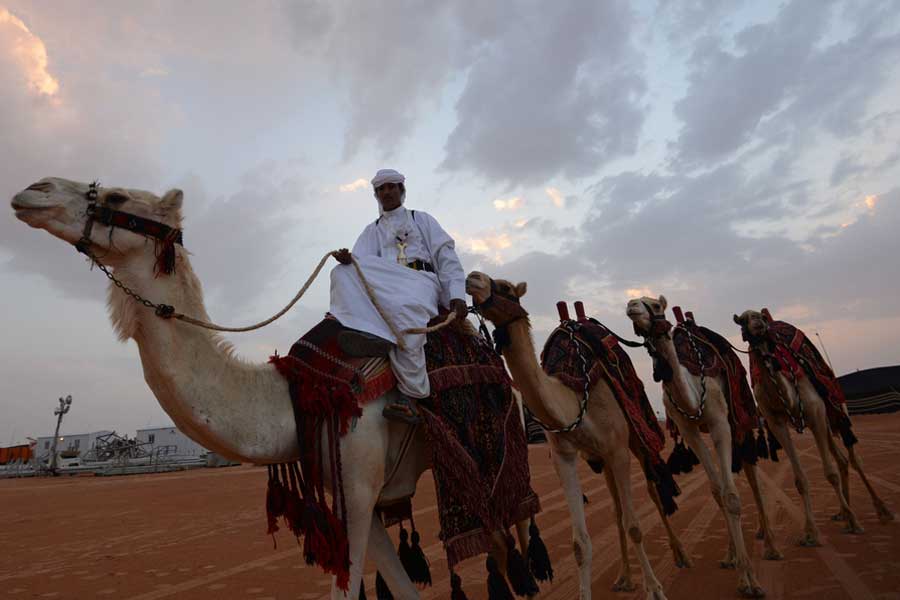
pixel 681 397
pixel 237 409
pixel 603 435
pixel 783 404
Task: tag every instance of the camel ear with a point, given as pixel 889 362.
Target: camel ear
pixel 737 320
pixel 663 302
pixel 171 201
pixel 521 288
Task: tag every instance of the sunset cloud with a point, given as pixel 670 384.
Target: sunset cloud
pixel 513 203
pixel 354 185
pixel 556 197
pixel 29 51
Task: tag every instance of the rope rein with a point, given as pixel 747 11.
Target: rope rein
pixel 166 311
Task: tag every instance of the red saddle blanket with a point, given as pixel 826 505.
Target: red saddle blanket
pixel 712 355
pixel 791 351
pixel 606 359
pixel 478 446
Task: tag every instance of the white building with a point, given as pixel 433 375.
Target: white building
pixel 176 443
pixel 74 443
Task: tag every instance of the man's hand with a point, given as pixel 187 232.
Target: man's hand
pixel 342 256
pixel 458 305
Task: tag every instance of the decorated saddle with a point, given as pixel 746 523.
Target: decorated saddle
pixel 478 448
pixel 703 351
pixel 582 352
pixel 787 349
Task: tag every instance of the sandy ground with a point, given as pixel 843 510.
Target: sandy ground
pixel 201 534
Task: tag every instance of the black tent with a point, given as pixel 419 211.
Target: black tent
pixel 872 390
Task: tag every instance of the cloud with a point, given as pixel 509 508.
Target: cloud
pixel 29 51
pixel 783 80
pixel 556 197
pixel 353 186
pixel 556 92
pixel 514 203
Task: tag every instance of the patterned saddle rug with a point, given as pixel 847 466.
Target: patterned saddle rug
pixel 791 351
pixel 604 358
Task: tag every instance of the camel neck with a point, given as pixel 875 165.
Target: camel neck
pixel 229 406
pixel 536 386
pixel 680 390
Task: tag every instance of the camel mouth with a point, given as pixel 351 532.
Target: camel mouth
pixel 632 313
pixel 32 200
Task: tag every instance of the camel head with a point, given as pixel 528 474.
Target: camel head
pixel 645 313
pixel 60 207
pixel 753 324
pixel 496 299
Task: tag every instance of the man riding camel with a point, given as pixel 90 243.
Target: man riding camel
pixel 411 265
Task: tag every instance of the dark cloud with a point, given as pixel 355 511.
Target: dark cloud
pixel 558 92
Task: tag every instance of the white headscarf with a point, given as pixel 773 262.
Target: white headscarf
pixel 388 176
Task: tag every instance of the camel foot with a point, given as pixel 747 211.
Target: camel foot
pixel 884 513
pixel 854 529
pixel 841 516
pixel 810 540
pixel 656 593
pixel 623 584
pixel 751 591
pixel 760 534
pixel 727 563
pixel 772 554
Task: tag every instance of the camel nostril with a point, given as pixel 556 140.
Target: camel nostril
pixel 40 186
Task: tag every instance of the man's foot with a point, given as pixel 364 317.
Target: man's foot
pixel 361 344
pixel 403 410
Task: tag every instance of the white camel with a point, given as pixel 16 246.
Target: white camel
pixel 240 410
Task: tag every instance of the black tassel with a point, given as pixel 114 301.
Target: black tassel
pixel 420 571
pixel 736 461
pixel 691 459
pixel 382 591
pixel 517 572
pixel 847 435
pixel 666 487
pixel 762 448
pixel 497 587
pixel 405 552
pixel 538 557
pixel 774 446
pixel 584 499
pixel 362 590
pixel 456 591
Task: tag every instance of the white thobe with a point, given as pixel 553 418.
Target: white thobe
pixel 410 298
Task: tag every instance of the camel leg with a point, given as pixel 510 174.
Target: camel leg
pixel 748 586
pixel 565 463
pixel 821 431
pixel 360 512
pixel 623 583
pixel 884 513
pixel 385 556
pixel 844 471
pixel 621 474
pixel 682 560
pixel 694 441
pixel 765 529
pixel 779 429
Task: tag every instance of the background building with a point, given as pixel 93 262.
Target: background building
pixel 170 441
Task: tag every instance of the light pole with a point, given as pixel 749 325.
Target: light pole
pixel 64 405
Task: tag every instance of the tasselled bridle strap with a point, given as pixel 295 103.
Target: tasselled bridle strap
pixel 105 215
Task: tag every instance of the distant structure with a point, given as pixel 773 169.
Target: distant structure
pixel 67 446
pixel 872 391
pixel 169 441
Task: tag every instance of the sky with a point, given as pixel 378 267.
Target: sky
pixel 729 155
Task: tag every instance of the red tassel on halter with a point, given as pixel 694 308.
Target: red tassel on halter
pixel 165 254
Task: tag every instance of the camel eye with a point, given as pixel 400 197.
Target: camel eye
pixel 116 198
